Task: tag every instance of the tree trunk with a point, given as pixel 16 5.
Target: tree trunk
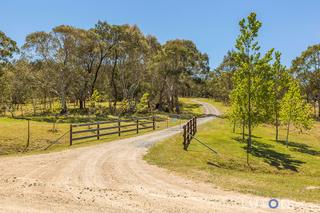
pixel 288 129
pixel 63 101
pixel 113 83
pixel 249 114
pixel 318 108
pixel 81 104
pixel 243 129
pixel 160 102
pixel 277 127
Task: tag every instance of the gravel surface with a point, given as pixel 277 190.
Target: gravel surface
pixel 113 177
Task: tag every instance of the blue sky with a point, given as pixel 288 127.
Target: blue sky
pixel 289 26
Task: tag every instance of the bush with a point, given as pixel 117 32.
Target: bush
pixel 143 106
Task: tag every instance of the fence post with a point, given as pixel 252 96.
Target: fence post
pixel 119 127
pixel 137 125
pixel 195 124
pixel 70 134
pixel 184 137
pixel 153 123
pixel 28 139
pixel 191 125
pixel 189 133
pixel 98 131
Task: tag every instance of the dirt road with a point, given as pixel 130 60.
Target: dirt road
pixel 112 177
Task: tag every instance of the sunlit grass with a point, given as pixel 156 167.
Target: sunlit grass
pixel 14 132
pixel 275 170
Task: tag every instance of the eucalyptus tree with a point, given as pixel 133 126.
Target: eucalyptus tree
pixel 250 83
pixel 177 60
pixel 7 48
pixel 306 68
pixel 220 80
pixel 55 51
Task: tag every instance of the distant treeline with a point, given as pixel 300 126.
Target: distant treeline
pixel 113 63
pixel 119 64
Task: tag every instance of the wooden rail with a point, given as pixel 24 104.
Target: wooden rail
pixel 99 129
pixel 189 130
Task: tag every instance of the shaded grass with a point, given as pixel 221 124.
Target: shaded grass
pixel 276 171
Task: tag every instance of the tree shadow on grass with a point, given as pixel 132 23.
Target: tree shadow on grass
pixel 276 159
pixel 279 160
pixel 301 147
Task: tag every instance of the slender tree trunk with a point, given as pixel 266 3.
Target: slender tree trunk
pixel 277 126
pixel 319 108
pixel 288 129
pixel 113 83
pixel 243 129
pixel 160 102
pixel 249 114
pixel 63 101
pixel 234 127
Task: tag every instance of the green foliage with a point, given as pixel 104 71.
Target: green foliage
pixel 251 79
pixel 124 107
pixel 7 48
pixel 219 85
pixel 143 105
pixel 294 110
pixel 276 171
pixel 307 69
pixel 95 97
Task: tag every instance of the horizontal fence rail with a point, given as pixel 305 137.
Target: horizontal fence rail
pixel 99 129
pixel 189 131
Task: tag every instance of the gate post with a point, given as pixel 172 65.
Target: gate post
pixel 119 128
pixel 70 134
pixel 137 125
pixel 184 137
pixel 98 131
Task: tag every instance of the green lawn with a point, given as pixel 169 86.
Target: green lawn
pixel 13 132
pixel 276 171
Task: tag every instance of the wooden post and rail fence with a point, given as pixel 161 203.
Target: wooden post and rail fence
pixel 103 128
pixel 189 131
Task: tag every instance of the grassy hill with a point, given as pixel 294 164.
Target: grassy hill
pixel 276 171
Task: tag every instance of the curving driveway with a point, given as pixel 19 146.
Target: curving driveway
pixel 112 177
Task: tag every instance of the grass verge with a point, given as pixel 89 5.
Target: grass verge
pixel 14 132
pixel 277 171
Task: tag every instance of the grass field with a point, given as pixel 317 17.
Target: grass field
pixel 276 171
pixel 14 132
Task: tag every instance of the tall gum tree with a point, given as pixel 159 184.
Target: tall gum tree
pixel 7 48
pixel 306 68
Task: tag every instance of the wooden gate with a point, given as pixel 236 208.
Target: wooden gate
pixel 189 130
pixel 99 129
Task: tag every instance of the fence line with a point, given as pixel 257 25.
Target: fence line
pixel 99 129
